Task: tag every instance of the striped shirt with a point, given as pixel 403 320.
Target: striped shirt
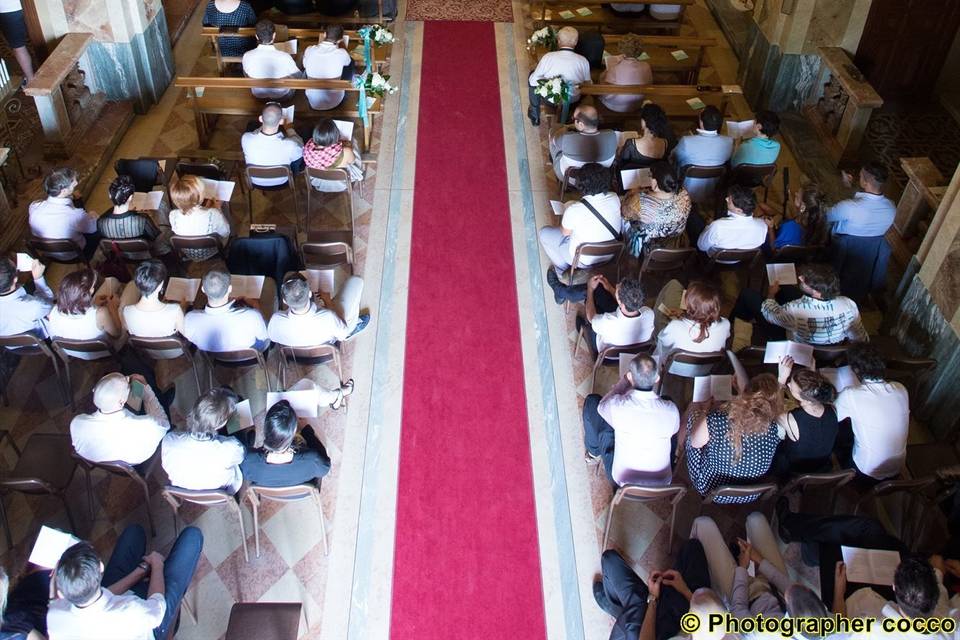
pixel 815 321
pixel 125 226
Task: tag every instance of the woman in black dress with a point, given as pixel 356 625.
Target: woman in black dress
pixel 231 13
pixel 810 430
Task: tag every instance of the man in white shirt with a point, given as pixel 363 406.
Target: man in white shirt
pixel 584 142
pixel 580 224
pixel 879 413
pixel 21 312
pixel 615 316
pixel 57 218
pixel 268 62
pixel 631 429
pixel 328 60
pixel 270 146
pixel 224 324
pixel 113 432
pixel 707 148
pixel 135 597
pixel 739 229
pixel 564 62
pixel 304 324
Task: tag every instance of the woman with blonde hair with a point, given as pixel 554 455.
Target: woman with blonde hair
pixel 191 218
pixel 734 442
pixel 626 69
pixel 698 326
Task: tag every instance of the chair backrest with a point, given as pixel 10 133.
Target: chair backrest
pixel 161 348
pixel 25 344
pixel 642 493
pixel 206 498
pixel 746 258
pixel 311 352
pixel 325 255
pixel 201 169
pixel 907 512
pixel 239 356
pixel 63 250
pixel 690 364
pixel 699 171
pixel 612 354
pixel 661 259
pixel 93 346
pixel 908 365
pixel 611 250
pixel 264 621
pixel 754 175
pixel 131 249
pixel 333 175
pixel 272 172
pixel 797 253
pixel 832 479
pixel 757 492
pixel 183 245
pixel 890 487
pixel 145 172
pixel 116 467
pixel 284 494
pixel 829 353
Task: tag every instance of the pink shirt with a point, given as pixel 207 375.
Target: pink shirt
pixel 621 70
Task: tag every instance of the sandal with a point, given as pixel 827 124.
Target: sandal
pixel 343 393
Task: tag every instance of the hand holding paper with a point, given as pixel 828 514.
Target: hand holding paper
pixel 782 273
pixel 636 179
pixel 220 190
pixel 802 354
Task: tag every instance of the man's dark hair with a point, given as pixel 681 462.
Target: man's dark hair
pixel 822 279
pixel 916 587
pixel 279 427
pixel 58 180
pixel 866 362
pixel 265 31
pixel 711 119
pixel 593 178
pixel 743 198
pixel 150 274
pixel 631 294
pixel 333 33
pixel 78 573
pixel 769 123
pixel 8 274
pixel 120 190
pixel 877 172
pixel 643 369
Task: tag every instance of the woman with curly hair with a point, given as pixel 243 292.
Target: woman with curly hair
pixel 626 69
pixel 734 442
pixel 656 216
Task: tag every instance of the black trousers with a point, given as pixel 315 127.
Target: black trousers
pixel 628 593
pixel 598 436
pixel 603 302
pixel 747 308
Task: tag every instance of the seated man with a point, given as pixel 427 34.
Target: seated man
pixel 706 148
pixel 563 62
pixel 761 148
pixel 113 432
pixel 267 62
pixel 270 146
pixel 304 324
pixel 21 312
pixel 58 217
pixel 615 316
pixel 739 229
pixel 584 143
pixel 879 413
pixel 328 60
pixel 632 428
pixel 593 218
pixel 224 324
pixel 136 597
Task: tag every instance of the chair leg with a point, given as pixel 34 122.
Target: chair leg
pixel 93 511
pixel 66 507
pixel 250 204
pixel 580 338
pixel 146 505
pixel 323 525
pixel 6 523
pixel 256 526
pixel 69 388
pixel 673 522
pixel 606 529
pixel 243 531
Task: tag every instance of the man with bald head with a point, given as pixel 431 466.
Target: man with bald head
pixel 563 62
pixel 581 142
pixel 270 146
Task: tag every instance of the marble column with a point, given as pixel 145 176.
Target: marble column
pixel 131 58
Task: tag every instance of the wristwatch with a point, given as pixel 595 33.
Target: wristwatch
pixel 651 598
pixel 144 565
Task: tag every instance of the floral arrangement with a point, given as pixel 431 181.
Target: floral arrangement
pixel 546 37
pixel 555 89
pixel 374 84
pixel 378 35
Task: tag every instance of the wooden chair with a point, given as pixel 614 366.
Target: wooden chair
pixel 829 354
pixel 332 175
pixel 673 493
pixel 689 364
pixel 569 180
pixel 45 467
pixel 611 355
pixel 328 250
pixel 209 170
pixel 255 172
pixel 98 348
pixel 909 371
pixel 27 344
pixel 736 260
pixel 237 359
pixel 797 253
pixel 123 470
pixel 176 496
pixel 754 175
pixel 832 481
pixel 167 348
pixel 662 260
pixel 285 494
pixel 309 356
pixel 717 173
pixel 62 250
pixel 762 492
pixel 609 251
pixel 187 246
pixel 131 250
pixel 914 506
pixel 264 621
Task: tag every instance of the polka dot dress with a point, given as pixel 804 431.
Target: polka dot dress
pixel 242 16
pixel 713 465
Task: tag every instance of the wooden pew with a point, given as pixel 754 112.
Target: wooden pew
pixel 544 12
pixel 307 37
pixel 214 96
pixel 315 19
pixel 672 98
pixel 660 49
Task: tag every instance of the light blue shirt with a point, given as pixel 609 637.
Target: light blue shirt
pixel 706 149
pixel 866 215
pixel 756 151
pixel 21 312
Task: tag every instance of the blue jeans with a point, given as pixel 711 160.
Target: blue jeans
pixel 178 569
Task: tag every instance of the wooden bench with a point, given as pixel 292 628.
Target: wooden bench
pixel 214 96
pixel 544 12
pixel 315 18
pixel 381 54
pixel 672 98
pixel 660 49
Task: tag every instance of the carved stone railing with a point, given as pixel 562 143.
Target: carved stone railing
pixel 921 198
pixel 841 109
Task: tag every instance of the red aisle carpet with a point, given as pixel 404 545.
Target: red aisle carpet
pixel 467 560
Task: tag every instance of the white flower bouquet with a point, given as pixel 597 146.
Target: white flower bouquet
pixel 378 35
pixel 375 84
pixel 555 89
pixel 545 37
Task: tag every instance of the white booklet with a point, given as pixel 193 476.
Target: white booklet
pixel 716 387
pixel 623 136
pixel 248 287
pixel 840 378
pixel 305 402
pixel 743 129
pixel 782 273
pixel 625 360
pixel 146 200
pixel 870 566
pixel 802 354
pixel 290 46
pixel 50 545
pixel 636 179
pixel 558 208
pixel 217 189
pixel 241 419
pixel 24 262
pixel 181 289
pixel 288 113
pixel 739 372
pixel 346 129
pixel 319 279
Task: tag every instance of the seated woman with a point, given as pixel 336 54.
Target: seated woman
pixel 191 218
pixel 327 150
pixel 79 315
pixel 151 317
pixel 120 223
pixel 656 217
pixel 627 69
pixel 231 13
pixel 698 328
pixel 810 430
pixel 197 457
pixel 23 613
pixel 807 227
pixel 287 458
pixel 655 141
pixel 734 442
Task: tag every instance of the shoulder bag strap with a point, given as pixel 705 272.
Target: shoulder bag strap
pixel 616 234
